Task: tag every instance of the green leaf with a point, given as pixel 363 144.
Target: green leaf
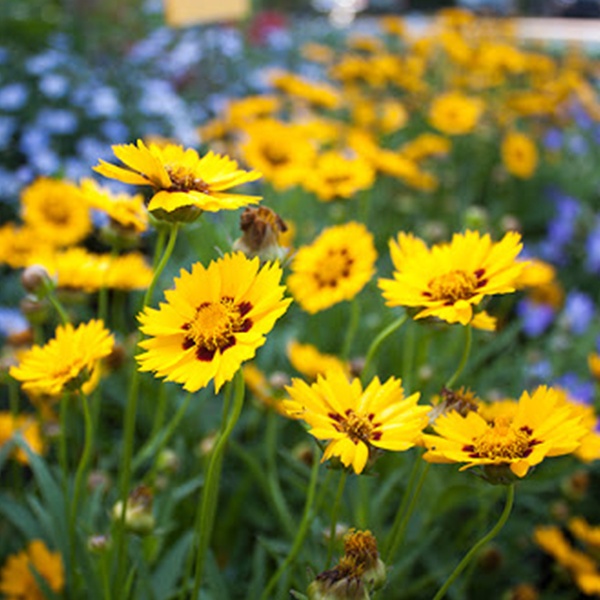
pixel 166 574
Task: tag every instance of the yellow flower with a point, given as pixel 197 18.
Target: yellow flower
pixel 334 268
pixel 27 428
pixel 242 110
pixel 19 244
pixel 426 145
pixel 128 212
pixel 213 320
pixel 67 361
pixel 78 269
pixel 356 420
pixel 542 426
pixel 308 361
pixel 279 150
pixel 314 93
pixel 448 280
pixel 17 581
pixel 337 176
pixel 519 154
pixel 594 365
pixel 181 178
pixel 582 564
pixel 54 210
pixel 455 113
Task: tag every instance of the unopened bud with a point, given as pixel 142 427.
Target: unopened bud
pixel 261 228
pixel 139 517
pixel 36 280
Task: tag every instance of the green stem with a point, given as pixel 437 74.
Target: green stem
pixel 383 335
pixel 300 535
pixel 464 358
pixel 272 473
pixel 129 425
pixel 399 534
pixel 351 328
pixel 211 485
pixel 160 440
pixel 400 512
pixel 334 516
pixel 160 412
pixel 161 264
pixel 81 468
pixel 510 496
pixel 58 307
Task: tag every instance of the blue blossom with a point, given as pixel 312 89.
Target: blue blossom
pixel 103 102
pixel 46 61
pixel 578 312
pixel 13 96
pixel 12 322
pixel 53 86
pixel 540 371
pixel 578 389
pixel 553 140
pixel 115 131
pixel 536 318
pixel 57 120
pixel 592 248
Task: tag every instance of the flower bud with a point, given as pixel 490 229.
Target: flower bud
pixel 36 280
pixel 139 517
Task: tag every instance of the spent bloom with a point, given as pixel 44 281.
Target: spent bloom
pixel 67 361
pixel 355 421
pixel 213 320
pixel 540 425
pixel 17 581
pixel 181 178
pixel 334 268
pixel 449 279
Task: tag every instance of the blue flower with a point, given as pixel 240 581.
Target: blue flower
pixel 578 389
pixel 535 317
pixel 578 312
pixel 592 247
pixel 13 96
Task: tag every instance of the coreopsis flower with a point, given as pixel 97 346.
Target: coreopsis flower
pixel 78 269
pixel 124 211
pixel 213 320
pixel 542 426
pixel 450 279
pixel 25 426
pixel 282 152
pixel 426 145
pixel 334 268
pixel 579 556
pixel 184 183
pixel 356 421
pixel 54 211
pixel 454 113
pixel 19 243
pixel 519 154
pixel 308 361
pixel 67 362
pixel 335 175
pixel 17 581
pixel 317 94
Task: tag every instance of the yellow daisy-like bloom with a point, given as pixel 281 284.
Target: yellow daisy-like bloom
pixel 54 210
pixel 128 212
pixel 334 268
pixel 19 244
pixel 337 176
pixel 448 280
pixel 594 365
pixel 519 154
pixel 317 94
pixel 17 581
pixel 213 320
pixel 454 113
pixel 425 145
pixel 357 420
pixel 583 563
pixel 282 152
pixel 180 177
pixel 67 361
pixel 27 428
pixel 308 361
pixel 542 426
pixel 78 269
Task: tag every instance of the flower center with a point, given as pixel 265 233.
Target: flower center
pixel 214 327
pixel 502 441
pixel 356 427
pixel 56 211
pixel 275 155
pixel 184 180
pixel 455 285
pixel 337 265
